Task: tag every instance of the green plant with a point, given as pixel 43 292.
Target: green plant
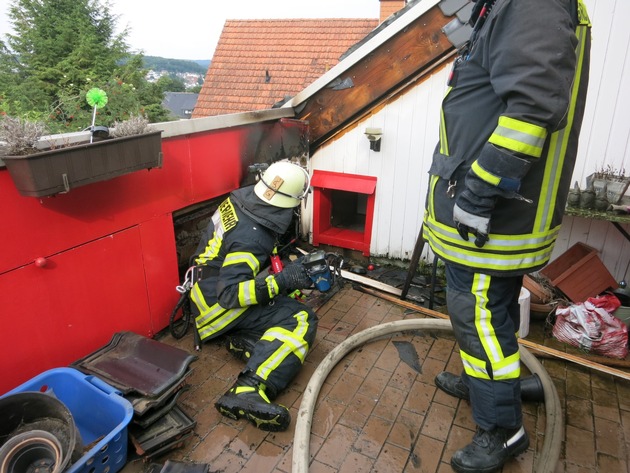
pixel 610 173
pixel 134 125
pixel 20 135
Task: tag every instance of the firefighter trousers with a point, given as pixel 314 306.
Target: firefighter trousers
pixel 285 329
pixel 485 315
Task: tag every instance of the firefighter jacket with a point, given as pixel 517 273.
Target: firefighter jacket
pixel 234 248
pixel 509 128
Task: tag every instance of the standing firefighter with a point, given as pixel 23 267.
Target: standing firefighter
pixel 271 332
pixel 499 181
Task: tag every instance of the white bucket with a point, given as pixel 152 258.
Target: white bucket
pixel 523 302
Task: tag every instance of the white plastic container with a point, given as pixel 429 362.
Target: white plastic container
pixel 523 302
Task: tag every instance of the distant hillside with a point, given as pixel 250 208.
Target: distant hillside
pixel 176 65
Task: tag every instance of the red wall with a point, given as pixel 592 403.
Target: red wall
pixel 109 247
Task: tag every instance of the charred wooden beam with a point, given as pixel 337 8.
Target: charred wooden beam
pixel 397 61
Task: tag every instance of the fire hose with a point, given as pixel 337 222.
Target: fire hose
pixel 550 452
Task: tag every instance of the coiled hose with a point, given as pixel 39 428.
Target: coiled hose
pixel 550 452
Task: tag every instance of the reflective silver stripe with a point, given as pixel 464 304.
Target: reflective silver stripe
pixel 557 147
pixel 474 370
pixel 489 260
pixel 452 247
pixel 516 437
pixel 549 189
pixel 223 317
pixel 198 299
pixel 214 245
pixel 243 257
pixel 292 343
pixel 483 318
pixel 247 293
pixel 507 242
pixel 507 371
pixel 520 136
pixel 297 343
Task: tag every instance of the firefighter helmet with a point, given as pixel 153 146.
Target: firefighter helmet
pixel 283 184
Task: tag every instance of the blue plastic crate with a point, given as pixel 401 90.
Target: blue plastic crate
pixel 99 412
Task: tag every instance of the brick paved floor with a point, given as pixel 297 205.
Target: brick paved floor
pixel 377 413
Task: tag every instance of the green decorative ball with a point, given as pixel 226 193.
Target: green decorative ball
pixel 96 97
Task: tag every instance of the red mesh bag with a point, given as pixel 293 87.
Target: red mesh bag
pixel 591 327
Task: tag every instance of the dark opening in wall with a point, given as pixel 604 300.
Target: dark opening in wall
pixel 189 224
pixel 348 210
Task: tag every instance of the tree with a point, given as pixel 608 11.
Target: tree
pixel 170 83
pixel 60 50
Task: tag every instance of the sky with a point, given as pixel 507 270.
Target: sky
pixel 191 29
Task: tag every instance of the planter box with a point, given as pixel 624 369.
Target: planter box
pixel 579 273
pixel 615 188
pixel 54 171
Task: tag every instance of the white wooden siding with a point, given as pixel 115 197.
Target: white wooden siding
pixel 410 132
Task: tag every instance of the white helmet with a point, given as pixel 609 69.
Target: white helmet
pixel 283 184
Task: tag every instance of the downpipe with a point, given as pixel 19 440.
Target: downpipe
pixel 550 452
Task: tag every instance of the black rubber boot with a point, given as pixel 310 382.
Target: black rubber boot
pixel 241 345
pixel 531 387
pixel 489 450
pixel 452 384
pixel 247 399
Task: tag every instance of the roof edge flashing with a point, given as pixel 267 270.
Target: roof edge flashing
pixel 217 122
pixel 394 28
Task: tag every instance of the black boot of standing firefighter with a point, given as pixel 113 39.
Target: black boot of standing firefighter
pixel 247 399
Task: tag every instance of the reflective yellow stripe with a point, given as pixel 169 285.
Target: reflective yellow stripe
pixel 272 286
pixel 224 219
pixel 558 144
pixel 501 244
pixel 212 248
pixel 431 204
pixel 485 175
pixel 519 136
pixel 502 367
pixel 247 293
pixel 246 289
pixel 223 319
pixel 443 136
pixel 250 389
pixel 228 214
pixel 490 262
pixel 211 319
pixel 242 257
pixel 198 299
pixel 474 367
pixel 483 318
pixel 292 343
pixel 583 17
pixel 507 368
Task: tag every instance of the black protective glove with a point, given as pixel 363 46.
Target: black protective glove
pixel 473 207
pixel 471 214
pixel 292 277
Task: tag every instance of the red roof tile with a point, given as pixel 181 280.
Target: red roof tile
pixel 258 63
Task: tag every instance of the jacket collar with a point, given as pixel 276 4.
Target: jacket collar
pixel 276 219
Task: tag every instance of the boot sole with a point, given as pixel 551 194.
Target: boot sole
pixel 268 421
pixel 240 351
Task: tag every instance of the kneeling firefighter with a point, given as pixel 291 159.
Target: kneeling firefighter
pixel 270 331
